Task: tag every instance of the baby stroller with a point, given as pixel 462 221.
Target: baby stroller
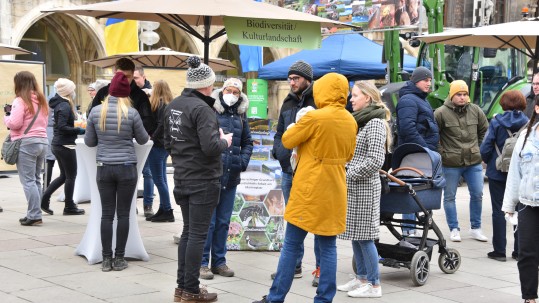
pixel 415 186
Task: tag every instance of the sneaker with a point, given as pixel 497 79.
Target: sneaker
pixel 455 235
pixel 418 233
pixel 496 256
pixel 316 277
pixel 202 296
pixel 297 274
pixel 367 291
pixel 30 222
pixel 205 273
pixel 119 263
pixel 106 265
pixel 178 294
pixel 478 235
pixel 350 285
pixel 514 255
pixel 262 301
pixel 223 270
pixel 148 212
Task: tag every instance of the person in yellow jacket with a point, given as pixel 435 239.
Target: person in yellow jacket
pixel 325 138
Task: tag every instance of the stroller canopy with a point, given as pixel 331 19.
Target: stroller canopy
pixel 422 158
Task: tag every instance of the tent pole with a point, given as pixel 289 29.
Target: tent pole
pixel 206 40
pixel 535 55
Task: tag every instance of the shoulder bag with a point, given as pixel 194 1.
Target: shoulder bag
pixel 10 149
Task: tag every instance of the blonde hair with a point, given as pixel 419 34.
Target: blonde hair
pixel 71 104
pixel 161 94
pixel 122 110
pixel 371 91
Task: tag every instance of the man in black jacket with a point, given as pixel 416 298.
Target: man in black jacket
pixel 195 142
pixel 142 104
pixel 530 98
pixel 300 77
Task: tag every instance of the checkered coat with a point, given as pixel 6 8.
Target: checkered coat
pixel 363 182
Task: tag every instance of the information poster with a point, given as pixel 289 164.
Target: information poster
pixel 257 92
pixel 257 219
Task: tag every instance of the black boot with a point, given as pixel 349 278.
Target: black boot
pixel 45 206
pixel 166 216
pixel 158 213
pixel 72 209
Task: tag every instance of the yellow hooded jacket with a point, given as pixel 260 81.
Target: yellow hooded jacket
pixel 326 139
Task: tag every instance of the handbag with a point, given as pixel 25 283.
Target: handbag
pixel 10 148
pixel 384 184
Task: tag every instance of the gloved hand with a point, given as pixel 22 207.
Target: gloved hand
pixel 81 130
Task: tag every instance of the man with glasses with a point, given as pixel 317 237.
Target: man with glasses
pixel 300 78
pixel 530 98
pixel 463 126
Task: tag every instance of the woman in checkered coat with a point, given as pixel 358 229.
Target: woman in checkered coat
pixel 363 182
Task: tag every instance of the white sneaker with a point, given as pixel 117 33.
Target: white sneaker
pixel 350 285
pixel 418 233
pixel 455 235
pixel 366 291
pixel 478 235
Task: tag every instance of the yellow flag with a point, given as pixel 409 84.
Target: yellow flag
pixel 121 36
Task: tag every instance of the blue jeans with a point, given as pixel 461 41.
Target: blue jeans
pixel 117 185
pixel 29 164
pixel 473 175
pixel 197 200
pixel 218 231
pixel 293 241
pixel 147 194
pixel 157 160
pixel 366 257
pixel 408 227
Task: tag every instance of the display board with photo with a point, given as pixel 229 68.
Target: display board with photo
pixel 257 218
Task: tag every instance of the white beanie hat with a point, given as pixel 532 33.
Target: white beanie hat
pixel 199 75
pixel 234 83
pixel 64 87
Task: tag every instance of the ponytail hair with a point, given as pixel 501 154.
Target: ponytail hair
pixel 530 124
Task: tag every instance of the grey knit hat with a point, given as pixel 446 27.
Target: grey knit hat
pixel 420 73
pixel 301 68
pixel 199 75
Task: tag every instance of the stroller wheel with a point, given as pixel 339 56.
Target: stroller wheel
pixel 420 268
pixel 354 265
pixel 449 261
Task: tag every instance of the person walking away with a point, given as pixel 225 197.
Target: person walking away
pixel 230 106
pixel 300 77
pixel 523 187
pixel 327 138
pixel 111 127
pixel 157 159
pixel 416 123
pixel 27 120
pixel 363 184
pixel 139 101
pixel 462 126
pixel 195 142
pixel 63 146
pixel 512 119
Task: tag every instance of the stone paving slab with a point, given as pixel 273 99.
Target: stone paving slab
pixel 37 264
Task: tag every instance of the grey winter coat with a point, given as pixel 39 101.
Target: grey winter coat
pixel 115 147
pixel 363 183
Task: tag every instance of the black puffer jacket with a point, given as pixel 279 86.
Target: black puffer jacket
pixel 158 135
pixel 192 137
pixel 232 120
pixel 291 105
pixel 64 129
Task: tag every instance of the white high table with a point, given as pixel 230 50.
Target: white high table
pixel 90 245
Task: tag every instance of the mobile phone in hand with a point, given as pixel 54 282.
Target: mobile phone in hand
pixel 7 108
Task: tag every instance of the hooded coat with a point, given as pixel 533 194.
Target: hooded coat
pixel 232 119
pixel 326 141
pixel 496 135
pixel 65 132
pixel 415 118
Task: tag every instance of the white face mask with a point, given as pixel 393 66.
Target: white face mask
pixel 230 99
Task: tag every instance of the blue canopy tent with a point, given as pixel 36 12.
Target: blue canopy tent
pixel 352 55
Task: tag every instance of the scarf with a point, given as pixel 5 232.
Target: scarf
pixel 368 113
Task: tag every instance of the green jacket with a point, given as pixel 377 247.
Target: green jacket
pixel 462 130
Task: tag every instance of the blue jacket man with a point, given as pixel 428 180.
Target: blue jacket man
pixel 415 117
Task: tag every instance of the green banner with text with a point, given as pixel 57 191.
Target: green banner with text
pixel 257 92
pixel 273 33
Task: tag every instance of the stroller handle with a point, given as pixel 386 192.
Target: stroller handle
pixel 405 168
pixel 392 178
